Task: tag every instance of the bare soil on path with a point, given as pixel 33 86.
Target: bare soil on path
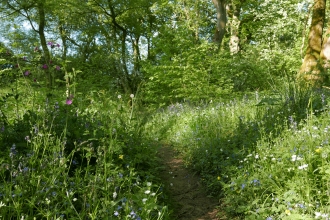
pixel 187 194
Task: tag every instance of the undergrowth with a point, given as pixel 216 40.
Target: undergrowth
pixel 265 155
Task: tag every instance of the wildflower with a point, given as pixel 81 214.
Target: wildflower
pixel 44 66
pixel 119 96
pixel 58 68
pixel 287 212
pixel 2 204
pixel 243 186
pixel 121 157
pixel 132 96
pixel 147 192
pixel 27 73
pixel 318 214
pixel 47 201
pixel 218 178
pixel 27 138
pixel 13 150
pixel 303 167
pixel 148 183
pixel 318 150
pixel 144 200
pixel 255 182
pixel 115 213
pixel 295 158
pixel 74 199
pixel 132 214
pixel 114 195
pixel 68 101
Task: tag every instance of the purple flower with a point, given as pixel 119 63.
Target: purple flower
pixel 27 73
pixel 58 68
pixel 116 213
pixel 57 45
pixel 45 66
pixel 68 101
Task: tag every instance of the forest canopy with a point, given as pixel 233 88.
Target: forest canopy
pixel 169 51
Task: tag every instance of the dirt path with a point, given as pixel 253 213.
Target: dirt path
pixel 185 189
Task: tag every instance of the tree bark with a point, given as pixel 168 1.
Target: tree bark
pixel 41 32
pixel 220 31
pixel 233 10
pixel 311 67
pixel 325 52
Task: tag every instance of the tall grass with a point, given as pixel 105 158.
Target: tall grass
pixel 266 156
pixel 84 160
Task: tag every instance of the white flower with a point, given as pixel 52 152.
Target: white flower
pixel 132 96
pixel 148 183
pixel 47 201
pixel 303 167
pixel 74 199
pixel 114 195
pixel 318 214
pixel 147 192
pixel 295 158
pixel 256 156
pixel 144 200
pixel 119 96
pixel 2 204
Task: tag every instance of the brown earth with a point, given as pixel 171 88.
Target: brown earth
pixel 187 194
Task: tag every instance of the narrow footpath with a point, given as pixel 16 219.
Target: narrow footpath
pixel 187 194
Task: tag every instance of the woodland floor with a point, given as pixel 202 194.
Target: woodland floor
pixel 188 196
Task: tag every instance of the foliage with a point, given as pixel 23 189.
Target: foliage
pixel 82 157
pixel 192 75
pixel 264 155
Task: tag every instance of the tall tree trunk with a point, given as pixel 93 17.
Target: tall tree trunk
pixel 233 10
pixel 311 67
pixel 325 52
pixel 41 32
pixel 220 31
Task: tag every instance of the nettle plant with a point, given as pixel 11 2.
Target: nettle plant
pixel 74 157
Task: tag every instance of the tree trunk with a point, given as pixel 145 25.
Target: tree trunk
pixel 235 9
pixel 41 32
pixel 311 68
pixel 325 52
pixel 220 31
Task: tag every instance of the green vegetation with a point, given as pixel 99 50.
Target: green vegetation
pixel 265 155
pixel 89 91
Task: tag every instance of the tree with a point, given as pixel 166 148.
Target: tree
pixel 311 67
pixel 220 31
